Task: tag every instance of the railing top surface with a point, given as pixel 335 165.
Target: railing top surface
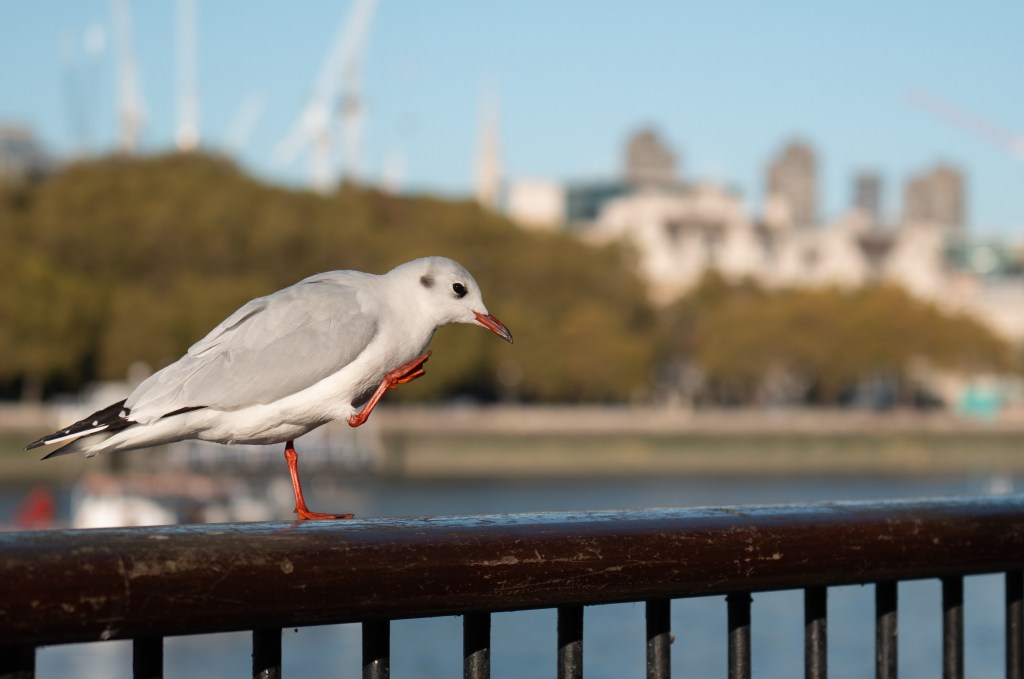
pixel 77 585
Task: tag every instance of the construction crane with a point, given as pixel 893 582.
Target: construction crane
pixel 336 99
pixel 129 99
pixel 488 163
pixel 976 125
pixel 187 136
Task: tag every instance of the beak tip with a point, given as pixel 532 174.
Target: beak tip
pixel 495 326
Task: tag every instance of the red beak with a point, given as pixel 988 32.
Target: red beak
pixel 494 325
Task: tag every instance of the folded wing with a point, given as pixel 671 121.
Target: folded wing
pixel 272 347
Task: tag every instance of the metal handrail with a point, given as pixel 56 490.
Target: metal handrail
pixel 81 585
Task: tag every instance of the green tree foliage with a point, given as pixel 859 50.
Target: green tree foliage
pixel 752 345
pixel 124 259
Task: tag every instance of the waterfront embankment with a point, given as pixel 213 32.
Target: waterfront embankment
pixel 587 441
pixel 612 441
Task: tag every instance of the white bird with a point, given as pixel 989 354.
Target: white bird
pixel 287 363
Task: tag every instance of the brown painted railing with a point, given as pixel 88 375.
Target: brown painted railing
pixel 148 583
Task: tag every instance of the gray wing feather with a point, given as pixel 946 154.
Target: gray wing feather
pixel 270 348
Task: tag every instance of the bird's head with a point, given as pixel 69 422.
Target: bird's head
pixel 450 294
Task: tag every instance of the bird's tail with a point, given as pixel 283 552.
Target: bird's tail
pixel 85 433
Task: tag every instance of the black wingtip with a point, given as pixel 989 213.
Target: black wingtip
pixel 109 419
pixel 45 440
pixel 66 450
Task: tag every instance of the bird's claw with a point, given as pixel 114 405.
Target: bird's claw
pixel 408 372
pixel 403 374
pixel 306 515
pixel 416 374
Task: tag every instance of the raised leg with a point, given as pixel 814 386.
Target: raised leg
pixel 403 374
pixel 301 510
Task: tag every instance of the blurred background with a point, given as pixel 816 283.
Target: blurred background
pixel 750 252
pixel 736 238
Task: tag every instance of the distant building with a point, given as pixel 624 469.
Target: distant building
pixel 679 233
pixel 936 197
pixel 537 203
pixel 584 202
pixel 680 230
pixel 548 205
pixel 649 160
pixel 792 176
pixel 867 196
pixel 21 155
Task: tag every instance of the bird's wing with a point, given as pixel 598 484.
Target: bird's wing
pixel 272 347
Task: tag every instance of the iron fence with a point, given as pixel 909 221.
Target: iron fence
pixel 145 584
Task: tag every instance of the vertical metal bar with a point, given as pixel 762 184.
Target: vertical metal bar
pixel 739 635
pixel 376 649
pixel 1015 625
pixel 266 653
pixel 148 658
pixel 816 633
pixel 953 628
pixel 476 646
pixel 570 642
pixel 885 630
pixel 17 662
pixel 659 639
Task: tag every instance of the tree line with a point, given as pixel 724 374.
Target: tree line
pixel 122 260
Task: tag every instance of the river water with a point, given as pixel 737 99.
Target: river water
pixel 523 643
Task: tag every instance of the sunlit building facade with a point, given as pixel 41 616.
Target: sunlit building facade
pixel 680 230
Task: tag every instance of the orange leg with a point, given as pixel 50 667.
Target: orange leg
pixel 301 510
pixel 403 374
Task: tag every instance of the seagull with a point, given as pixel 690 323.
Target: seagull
pixel 324 349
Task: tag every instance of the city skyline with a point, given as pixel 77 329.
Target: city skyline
pixel 728 88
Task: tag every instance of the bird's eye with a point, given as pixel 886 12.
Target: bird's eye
pixel 459 289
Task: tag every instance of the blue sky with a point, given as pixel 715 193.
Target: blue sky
pixel 727 83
